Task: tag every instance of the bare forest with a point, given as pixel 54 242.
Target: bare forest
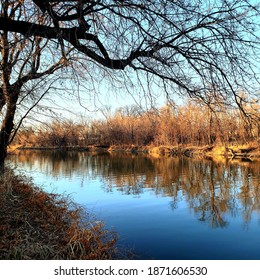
pixel 191 123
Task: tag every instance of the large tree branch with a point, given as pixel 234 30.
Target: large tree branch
pixel 29 29
pixel 72 35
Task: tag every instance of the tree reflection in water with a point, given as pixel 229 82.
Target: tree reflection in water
pixel 212 188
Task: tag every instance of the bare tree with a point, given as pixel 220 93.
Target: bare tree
pixel 189 47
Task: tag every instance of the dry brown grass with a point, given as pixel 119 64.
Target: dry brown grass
pixel 37 225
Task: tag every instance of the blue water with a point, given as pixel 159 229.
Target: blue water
pixel 166 208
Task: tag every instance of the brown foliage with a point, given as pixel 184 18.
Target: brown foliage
pixel 189 124
pixel 37 225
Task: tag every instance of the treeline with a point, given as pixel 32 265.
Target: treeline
pixel 191 123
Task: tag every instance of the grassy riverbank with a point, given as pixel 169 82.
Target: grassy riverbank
pixel 249 150
pixel 37 225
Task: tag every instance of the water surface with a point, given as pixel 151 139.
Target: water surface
pixel 163 208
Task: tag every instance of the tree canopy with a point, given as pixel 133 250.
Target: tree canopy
pixel 207 50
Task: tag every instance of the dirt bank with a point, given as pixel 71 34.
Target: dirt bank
pixel 229 151
pixel 251 151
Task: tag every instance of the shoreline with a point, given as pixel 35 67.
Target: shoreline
pixel 248 151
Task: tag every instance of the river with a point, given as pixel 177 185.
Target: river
pixel 161 208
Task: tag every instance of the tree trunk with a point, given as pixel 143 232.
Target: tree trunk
pixel 6 131
pixel 3 153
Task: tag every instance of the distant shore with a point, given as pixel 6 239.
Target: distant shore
pixel 239 151
pixel 250 151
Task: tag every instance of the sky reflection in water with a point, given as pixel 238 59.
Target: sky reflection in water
pixel 163 208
